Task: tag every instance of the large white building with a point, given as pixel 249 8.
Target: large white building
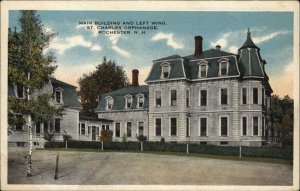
pixel 209 97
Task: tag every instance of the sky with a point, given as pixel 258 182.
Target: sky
pixel 79 47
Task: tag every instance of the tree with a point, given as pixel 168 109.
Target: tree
pixel 106 135
pixel 141 138
pixel 31 69
pixel 282 115
pixel 107 77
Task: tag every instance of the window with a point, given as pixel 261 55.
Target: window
pixel 244 95
pixel 263 97
pixel 46 127
pixel 140 101
pixel 109 103
pixel 128 129
pixel 20 123
pixel 223 96
pixel 82 131
pixel 158 127
pixel 117 129
pixel 173 126
pixel 187 98
pixel 255 95
pixel 203 97
pixel 141 128
pixel 263 126
pixel 128 101
pixel 165 71
pixel 244 126
pixel 57 125
pixel 103 127
pixel 37 128
pixel 203 71
pixel 58 96
pixel 51 126
pixel 89 130
pixel 187 127
pixel 173 97
pixel 203 127
pixel 255 125
pixel 20 91
pixel 158 98
pixel 223 68
pixel 224 126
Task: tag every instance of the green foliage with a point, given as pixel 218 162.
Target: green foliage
pixel 107 77
pixel 282 118
pixel 124 138
pixel 106 135
pixel 67 137
pixel 29 67
pixel 162 140
pixel 48 136
pixel 276 153
pixel 142 138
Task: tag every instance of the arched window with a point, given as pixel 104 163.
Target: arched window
pixel 109 102
pixel 128 101
pixel 223 67
pixel 165 70
pixel 58 96
pixel 203 68
pixel 140 101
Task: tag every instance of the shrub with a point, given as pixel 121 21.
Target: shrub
pixel 162 140
pixel 124 138
pixel 106 135
pixel 67 137
pixel 141 138
pixel 48 136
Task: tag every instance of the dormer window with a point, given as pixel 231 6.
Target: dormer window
pixel 165 70
pixel 109 103
pixel 223 66
pixel 58 96
pixel 19 91
pixel 140 100
pixel 128 103
pixel 203 69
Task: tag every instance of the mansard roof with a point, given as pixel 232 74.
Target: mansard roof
pixel 119 98
pixel 187 67
pixel 69 93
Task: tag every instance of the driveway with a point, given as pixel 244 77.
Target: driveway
pixel 120 168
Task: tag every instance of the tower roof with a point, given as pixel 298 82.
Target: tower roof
pixel 249 43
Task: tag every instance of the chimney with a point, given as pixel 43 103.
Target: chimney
pixel 135 77
pixel 218 47
pixel 198 45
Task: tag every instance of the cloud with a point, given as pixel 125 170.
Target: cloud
pixel 222 41
pixel 233 49
pixel 169 38
pixel 96 48
pixel 143 73
pixel 121 51
pixel 261 39
pixel 94 30
pixel 61 45
pixel 283 82
pixel 74 72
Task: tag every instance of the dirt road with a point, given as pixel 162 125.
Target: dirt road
pixel 118 168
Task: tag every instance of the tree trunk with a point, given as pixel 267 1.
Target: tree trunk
pixel 29 125
pixel 29 165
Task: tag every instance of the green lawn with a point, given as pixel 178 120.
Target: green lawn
pixel 221 157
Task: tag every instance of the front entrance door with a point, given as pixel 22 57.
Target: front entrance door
pixel 93 133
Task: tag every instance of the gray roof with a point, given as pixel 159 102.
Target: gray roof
pixel 70 97
pixel 187 67
pixel 119 98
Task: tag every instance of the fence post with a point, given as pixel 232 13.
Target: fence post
pixel 142 146
pixel 66 144
pixel 56 167
pixel 102 145
pixel 187 148
pixel 240 151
